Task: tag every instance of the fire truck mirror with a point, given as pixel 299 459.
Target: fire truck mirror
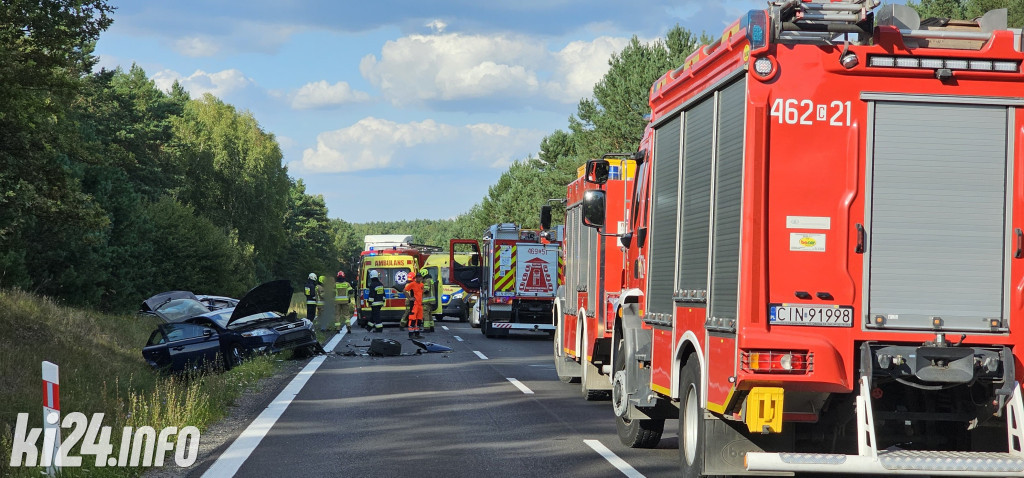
pixel 597 171
pixel 545 217
pixel 641 236
pixel 626 239
pixel 593 208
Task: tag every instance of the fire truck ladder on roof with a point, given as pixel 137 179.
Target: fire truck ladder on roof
pixel 820 22
pixel 870 460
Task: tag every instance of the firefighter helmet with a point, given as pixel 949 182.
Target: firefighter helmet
pixel 424 273
pixel 341 274
pixel 374 274
pixel 321 279
pixel 312 276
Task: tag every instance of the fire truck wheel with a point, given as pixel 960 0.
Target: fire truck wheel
pixel 587 370
pixel 691 421
pixel 633 433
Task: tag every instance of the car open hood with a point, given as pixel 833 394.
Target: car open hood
pixel 151 304
pixel 273 296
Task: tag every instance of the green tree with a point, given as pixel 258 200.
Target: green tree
pixel 347 245
pixel 310 244
pixel 233 175
pixel 969 9
pixel 47 224
pixel 194 253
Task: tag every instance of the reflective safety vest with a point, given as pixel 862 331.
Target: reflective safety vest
pixel 429 298
pixel 341 291
pixel 377 294
pixel 319 295
pixel 310 291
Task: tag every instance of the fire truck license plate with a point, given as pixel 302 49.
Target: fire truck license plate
pixel 803 314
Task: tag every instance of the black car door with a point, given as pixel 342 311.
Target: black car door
pixel 188 345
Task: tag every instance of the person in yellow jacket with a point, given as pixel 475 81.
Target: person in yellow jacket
pixel 430 290
pixel 320 302
pixel 342 298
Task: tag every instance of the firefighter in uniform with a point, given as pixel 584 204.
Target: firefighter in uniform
pixel 430 289
pixel 342 291
pixel 310 290
pixel 376 288
pixel 414 289
pixel 320 303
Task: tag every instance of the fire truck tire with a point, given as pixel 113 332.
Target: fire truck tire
pixel 486 329
pixel 634 433
pixel 588 369
pixel 691 420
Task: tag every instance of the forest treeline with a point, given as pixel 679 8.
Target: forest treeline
pixel 112 189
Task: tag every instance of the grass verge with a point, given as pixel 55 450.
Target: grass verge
pixel 101 371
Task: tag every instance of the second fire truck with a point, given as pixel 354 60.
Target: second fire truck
pixel 585 304
pixel 516 280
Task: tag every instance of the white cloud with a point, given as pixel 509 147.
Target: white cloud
pixel 196 46
pixel 321 94
pixel 580 65
pixel 453 66
pixel 448 67
pixel 200 82
pixel 374 143
pixel 437 25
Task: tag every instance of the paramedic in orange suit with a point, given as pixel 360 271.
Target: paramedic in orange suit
pixel 414 289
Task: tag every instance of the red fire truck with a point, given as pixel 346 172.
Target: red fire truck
pixel 825 251
pixel 517 281
pixel 585 304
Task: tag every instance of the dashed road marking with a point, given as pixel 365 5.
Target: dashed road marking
pixel 479 354
pixel 445 327
pixel 520 386
pixel 457 338
pixel 614 459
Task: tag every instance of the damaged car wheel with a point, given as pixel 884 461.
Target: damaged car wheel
pixel 234 358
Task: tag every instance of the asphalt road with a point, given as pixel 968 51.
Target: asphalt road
pixel 448 414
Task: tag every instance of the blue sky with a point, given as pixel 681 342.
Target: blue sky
pixel 371 101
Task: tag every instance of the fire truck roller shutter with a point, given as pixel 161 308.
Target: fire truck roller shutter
pixel 725 254
pixel 569 288
pixel 938 206
pixel 577 243
pixel 591 258
pixel 696 210
pixel 663 217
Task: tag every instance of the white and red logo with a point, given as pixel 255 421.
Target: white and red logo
pixel 535 276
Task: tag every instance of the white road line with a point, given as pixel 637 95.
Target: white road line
pixel 457 338
pixel 520 386
pixel 335 340
pixel 478 354
pixel 445 327
pixel 614 459
pixel 231 460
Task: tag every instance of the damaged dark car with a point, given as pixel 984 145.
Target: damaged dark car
pixel 194 336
